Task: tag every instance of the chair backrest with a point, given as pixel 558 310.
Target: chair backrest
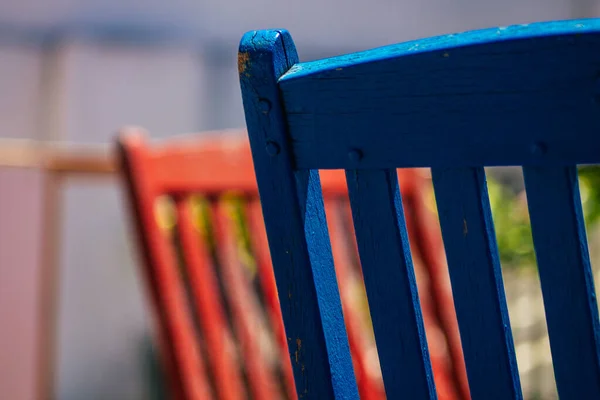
pixel 206 301
pixel 524 95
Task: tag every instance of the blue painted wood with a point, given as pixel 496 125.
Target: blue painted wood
pixel 296 227
pixel 390 282
pixel 522 95
pixel 525 95
pixel 474 266
pixel 566 277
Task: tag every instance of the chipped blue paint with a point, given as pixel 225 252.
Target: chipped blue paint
pixel 525 86
pixel 446 43
pixel 525 95
pixel 296 227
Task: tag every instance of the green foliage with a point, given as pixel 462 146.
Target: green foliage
pixel 589 187
pixel 511 217
pixel 511 220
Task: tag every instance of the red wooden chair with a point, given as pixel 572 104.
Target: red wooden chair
pixel 220 324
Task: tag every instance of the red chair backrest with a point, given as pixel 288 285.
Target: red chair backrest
pixel 220 325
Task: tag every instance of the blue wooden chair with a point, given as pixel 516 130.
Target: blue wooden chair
pixel 525 95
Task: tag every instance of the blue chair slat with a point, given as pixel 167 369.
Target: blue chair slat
pixel 474 266
pixel 390 282
pixel 471 99
pixel 566 277
pixel 296 228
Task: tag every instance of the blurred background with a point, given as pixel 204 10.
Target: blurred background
pixel 77 70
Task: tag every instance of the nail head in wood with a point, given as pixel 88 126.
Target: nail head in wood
pixel 355 155
pixel 272 148
pixel 539 148
pixel 264 105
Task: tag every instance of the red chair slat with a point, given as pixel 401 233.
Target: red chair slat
pixel 248 322
pixel 219 343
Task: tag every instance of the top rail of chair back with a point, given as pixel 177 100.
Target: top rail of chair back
pixel 518 95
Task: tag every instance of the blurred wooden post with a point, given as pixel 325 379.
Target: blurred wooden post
pixel 56 163
pixel 51 230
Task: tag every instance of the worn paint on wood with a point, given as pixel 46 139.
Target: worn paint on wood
pixel 519 95
pixel 524 95
pixel 295 221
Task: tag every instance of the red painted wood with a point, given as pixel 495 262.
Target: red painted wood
pixel 180 167
pixel 249 324
pixel 413 191
pixel 370 383
pixel 219 342
pixel 426 235
pixel 267 278
pixel 185 165
pixel 186 368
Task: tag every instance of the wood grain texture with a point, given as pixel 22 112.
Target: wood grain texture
pixel 566 277
pixel 474 265
pixel 295 222
pixel 521 95
pixel 390 282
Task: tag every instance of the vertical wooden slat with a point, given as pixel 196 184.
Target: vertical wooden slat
pixel 295 222
pixel 427 239
pixel 49 281
pixel 410 191
pixel 369 388
pixel 200 270
pixel 247 320
pixel 185 365
pixel 474 265
pixel 269 286
pixel 390 281
pixel 174 315
pixel 566 278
